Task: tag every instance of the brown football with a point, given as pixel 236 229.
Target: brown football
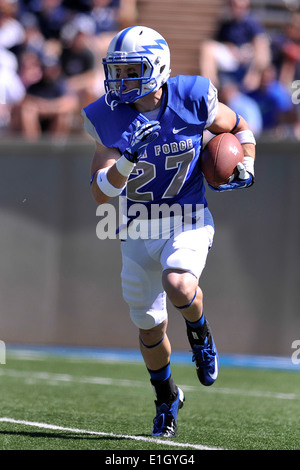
pixel 220 158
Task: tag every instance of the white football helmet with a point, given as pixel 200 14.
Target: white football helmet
pixel 133 46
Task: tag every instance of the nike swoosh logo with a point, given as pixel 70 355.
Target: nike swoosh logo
pixel 175 131
pixel 215 374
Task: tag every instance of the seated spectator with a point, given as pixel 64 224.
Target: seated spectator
pixel 286 51
pixel 12 90
pixel 47 107
pixel 78 59
pixel 127 13
pixel 51 16
pixel 30 68
pixel 11 30
pixel 105 15
pixel 241 103
pixel 77 6
pixel 33 38
pixel 274 101
pixel 240 49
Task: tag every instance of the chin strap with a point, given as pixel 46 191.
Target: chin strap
pixel 113 103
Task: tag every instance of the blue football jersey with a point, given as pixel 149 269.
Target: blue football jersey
pixel 169 172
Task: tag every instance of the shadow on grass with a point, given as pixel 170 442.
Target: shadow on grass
pixel 64 435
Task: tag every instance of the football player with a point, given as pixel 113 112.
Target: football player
pixel 149 133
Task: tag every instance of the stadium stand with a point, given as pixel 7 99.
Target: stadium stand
pixel 35 24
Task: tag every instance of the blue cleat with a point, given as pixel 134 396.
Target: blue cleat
pixel 205 356
pixel 165 421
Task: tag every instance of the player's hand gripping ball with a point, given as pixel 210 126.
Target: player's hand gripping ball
pixel 222 163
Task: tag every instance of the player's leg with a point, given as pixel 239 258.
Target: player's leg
pixel 143 292
pixel 185 294
pixel 183 291
pixel 156 351
pixel 155 346
pixel 183 260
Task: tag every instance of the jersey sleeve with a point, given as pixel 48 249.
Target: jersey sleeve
pixel 90 128
pixel 212 104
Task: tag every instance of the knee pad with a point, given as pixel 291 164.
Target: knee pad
pixel 145 320
pixel 143 292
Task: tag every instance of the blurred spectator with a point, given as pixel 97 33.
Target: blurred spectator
pixel 12 33
pixel 127 13
pixel 51 16
pixel 274 101
pixel 50 52
pixel 78 6
pixel 47 107
pixel 12 90
pixel 105 15
pixel 78 59
pixel 286 51
pixel 33 38
pixel 30 68
pixel 240 49
pixel 241 103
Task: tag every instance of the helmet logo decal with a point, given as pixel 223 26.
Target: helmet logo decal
pixel 148 50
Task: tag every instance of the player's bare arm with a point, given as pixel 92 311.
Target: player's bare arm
pixel 226 121
pixel 105 158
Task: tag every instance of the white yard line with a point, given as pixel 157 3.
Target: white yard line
pixel 54 427
pixel 54 379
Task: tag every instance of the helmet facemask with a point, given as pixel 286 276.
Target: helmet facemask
pixel 120 88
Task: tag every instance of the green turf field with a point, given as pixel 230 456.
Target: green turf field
pixel 65 403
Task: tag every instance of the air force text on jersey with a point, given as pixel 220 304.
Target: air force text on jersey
pixel 162 222
pixel 173 147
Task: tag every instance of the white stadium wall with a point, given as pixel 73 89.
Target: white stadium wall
pixel 60 284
